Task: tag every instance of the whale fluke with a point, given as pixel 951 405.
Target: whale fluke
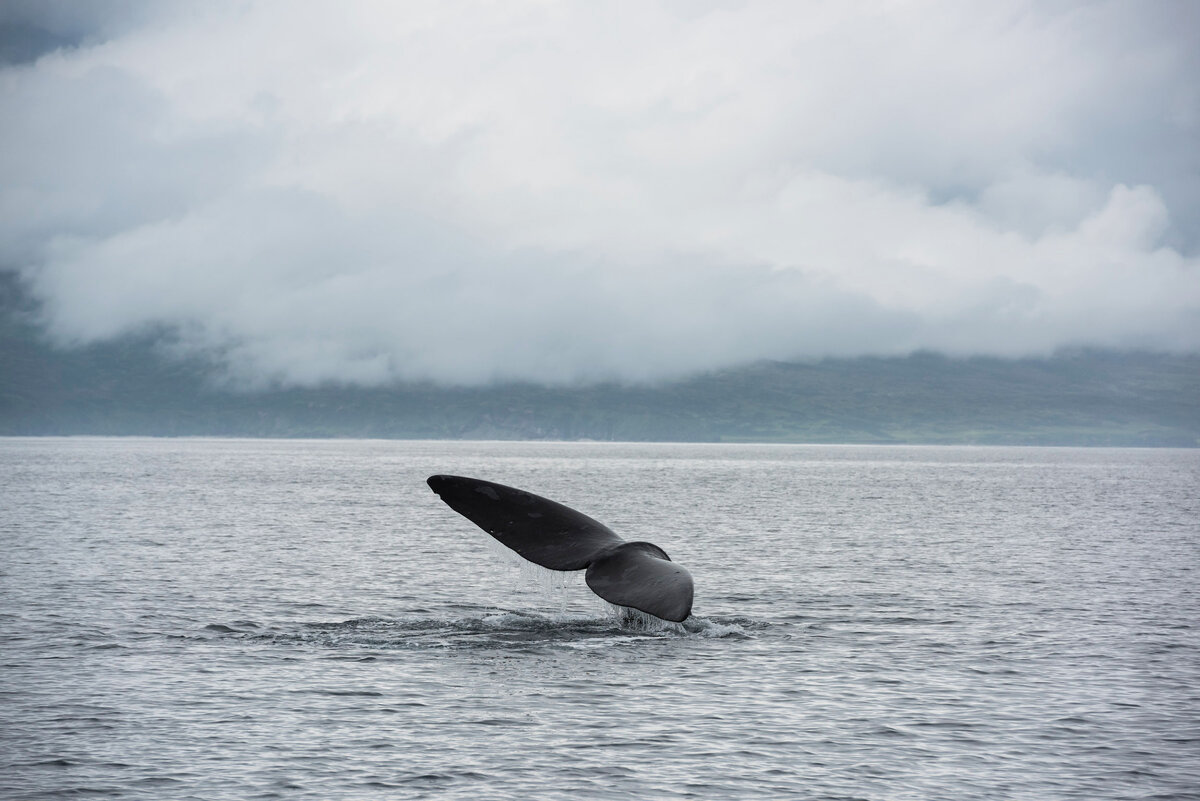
pixel 639 575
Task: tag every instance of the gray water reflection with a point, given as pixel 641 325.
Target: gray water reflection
pixel 280 619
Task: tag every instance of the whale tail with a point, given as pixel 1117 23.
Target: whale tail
pixel 638 575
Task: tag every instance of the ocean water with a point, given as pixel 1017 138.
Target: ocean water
pixel 249 619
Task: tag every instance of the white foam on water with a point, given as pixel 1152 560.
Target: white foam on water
pixel 703 627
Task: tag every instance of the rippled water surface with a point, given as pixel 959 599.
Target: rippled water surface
pixel 304 619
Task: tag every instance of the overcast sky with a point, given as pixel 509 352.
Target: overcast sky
pixel 574 191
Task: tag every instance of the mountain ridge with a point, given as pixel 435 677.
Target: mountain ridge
pixel 129 386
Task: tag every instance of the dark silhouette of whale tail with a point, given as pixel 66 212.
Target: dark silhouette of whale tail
pixel 638 575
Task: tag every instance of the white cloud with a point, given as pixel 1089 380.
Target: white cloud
pixel 573 191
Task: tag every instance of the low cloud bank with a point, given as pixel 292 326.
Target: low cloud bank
pixel 581 192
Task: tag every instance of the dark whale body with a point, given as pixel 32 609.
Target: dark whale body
pixel 638 575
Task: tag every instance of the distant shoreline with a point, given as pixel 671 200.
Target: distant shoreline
pixel 697 443
pixel 1085 398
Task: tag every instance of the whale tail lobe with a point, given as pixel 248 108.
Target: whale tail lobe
pixel 639 575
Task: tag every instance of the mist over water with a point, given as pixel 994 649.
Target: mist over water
pixel 232 619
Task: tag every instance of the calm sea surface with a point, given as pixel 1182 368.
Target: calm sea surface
pixel 241 619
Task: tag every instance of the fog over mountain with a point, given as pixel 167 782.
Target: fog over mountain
pixel 369 192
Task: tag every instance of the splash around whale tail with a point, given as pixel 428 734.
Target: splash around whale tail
pixel 638 575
